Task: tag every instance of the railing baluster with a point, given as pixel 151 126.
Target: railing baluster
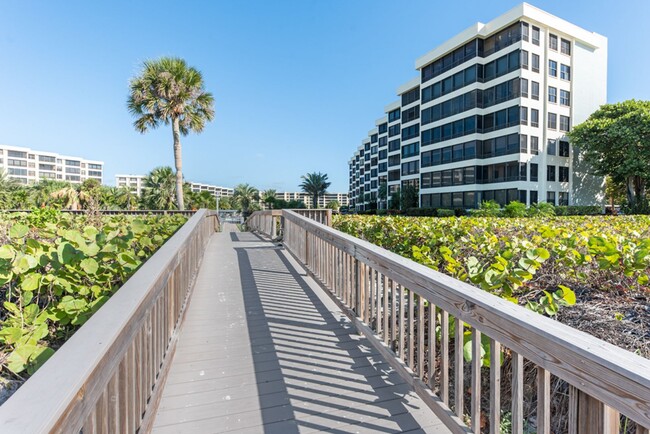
pixel 495 387
pixel 393 314
pixel 543 401
pixel 444 356
pixel 476 380
pixel 458 366
pixel 517 393
pixel 402 313
pixel 420 337
pixel 371 298
pixel 411 344
pixel 432 344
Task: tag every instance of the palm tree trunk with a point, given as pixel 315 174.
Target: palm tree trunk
pixel 178 162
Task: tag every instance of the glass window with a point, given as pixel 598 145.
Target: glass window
pixel 394 115
pixel 550 197
pixel 524 31
pixel 551 147
pixel 565 72
pixel 550 173
pixel 564 148
pixel 383 128
pixel 552 68
pixel 523 143
pixel 534 117
pixel 524 59
pixel 534 90
pixel 373 138
pixel 470 150
pixel 534 172
pixel 524 87
pixel 535 37
pixel 535 63
pixel 552 121
pixel 566 47
pixel 534 145
pixel 563 174
pixel 524 115
pixel 565 97
pixel 552 42
pixel 565 123
pixel 552 94
pixel 393 130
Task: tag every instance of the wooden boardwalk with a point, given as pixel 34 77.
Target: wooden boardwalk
pixel 264 350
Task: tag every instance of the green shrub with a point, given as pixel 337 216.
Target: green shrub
pixel 443 212
pixel 421 212
pixel 515 209
pixel 488 208
pixel 542 209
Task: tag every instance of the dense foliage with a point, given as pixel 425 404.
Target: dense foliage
pixel 159 192
pixel 615 141
pixel 57 269
pixel 533 260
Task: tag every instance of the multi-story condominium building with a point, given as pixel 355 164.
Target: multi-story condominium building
pixel 136 183
pixel 341 198
pixel 214 189
pixel 28 166
pixel 487 118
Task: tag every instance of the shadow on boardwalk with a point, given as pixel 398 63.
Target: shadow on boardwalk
pixel 329 377
pixel 264 350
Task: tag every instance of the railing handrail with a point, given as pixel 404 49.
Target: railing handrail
pixel 64 391
pixel 614 376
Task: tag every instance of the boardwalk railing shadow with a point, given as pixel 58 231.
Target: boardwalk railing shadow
pixel 331 378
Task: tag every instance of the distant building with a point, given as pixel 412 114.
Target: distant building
pixel 28 166
pixel 487 118
pixel 341 198
pixel 136 183
pixel 132 182
pixel 214 189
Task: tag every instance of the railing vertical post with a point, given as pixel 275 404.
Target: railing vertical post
pixel 357 287
pixel 274 232
pixel 589 415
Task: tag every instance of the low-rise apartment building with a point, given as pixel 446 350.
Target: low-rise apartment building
pixel 28 166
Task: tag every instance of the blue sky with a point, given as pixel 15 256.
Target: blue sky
pixel 297 84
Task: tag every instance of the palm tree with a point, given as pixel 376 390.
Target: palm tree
pixel 159 188
pixel 245 195
pixel 315 184
pixel 72 197
pixel 269 197
pixel 168 91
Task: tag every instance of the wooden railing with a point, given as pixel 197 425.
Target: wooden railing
pixel 538 374
pixel 107 377
pixel 269 223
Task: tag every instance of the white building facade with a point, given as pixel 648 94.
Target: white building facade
pixel 487 119
pixel 323 200
pixel 28 166
pixel 136 183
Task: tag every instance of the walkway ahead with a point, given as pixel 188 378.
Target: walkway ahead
pixel 264 350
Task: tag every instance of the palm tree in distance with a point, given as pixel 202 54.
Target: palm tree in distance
pixel 245 195
pixel 168 91
pixel 159 188
pixel 316 185
pixel 72 197
pixel 269 197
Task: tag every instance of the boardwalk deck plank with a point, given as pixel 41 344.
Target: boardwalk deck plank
pixel 264 350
